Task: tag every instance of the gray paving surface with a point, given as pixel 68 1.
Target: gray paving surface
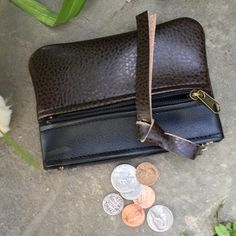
pixel 69 202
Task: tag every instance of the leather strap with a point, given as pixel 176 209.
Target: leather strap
pixel 148 129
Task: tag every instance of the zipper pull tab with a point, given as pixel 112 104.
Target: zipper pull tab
pixel 206 99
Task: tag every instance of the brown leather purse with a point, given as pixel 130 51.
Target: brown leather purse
pixel 127 95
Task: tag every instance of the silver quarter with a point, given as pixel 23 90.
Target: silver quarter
pixel 134 194
pixel 160 218
pixel 113 204
pixel 123 178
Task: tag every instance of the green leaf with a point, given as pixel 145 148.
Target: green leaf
pixel 69 9
pixel 234 225
pixel 182 234
pixel 233 232
pixel 229 226
pixel 221 230
pixel 24 154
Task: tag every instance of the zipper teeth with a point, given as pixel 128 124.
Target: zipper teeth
pixel 178 97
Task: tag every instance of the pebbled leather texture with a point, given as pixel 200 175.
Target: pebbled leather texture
pixel 75 76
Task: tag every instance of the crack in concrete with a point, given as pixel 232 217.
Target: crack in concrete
pixel 35 223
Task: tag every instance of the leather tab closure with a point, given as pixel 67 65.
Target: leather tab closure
pixel 149 130
pixel 145 129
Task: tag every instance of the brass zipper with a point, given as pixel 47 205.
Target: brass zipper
pixel 206 99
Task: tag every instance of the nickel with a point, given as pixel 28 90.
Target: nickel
pixel 123 178
pixel 134 194
pixel 160 218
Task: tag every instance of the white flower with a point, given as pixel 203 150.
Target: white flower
pixel 5 116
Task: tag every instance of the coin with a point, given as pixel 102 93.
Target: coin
pixel 160 218
pixel 147 198
pixel 113 204
pixel 133 215
pixel 133 194
pixel 147 173
pixel 123 178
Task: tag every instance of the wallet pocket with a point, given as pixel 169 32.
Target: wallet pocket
pixel 81 138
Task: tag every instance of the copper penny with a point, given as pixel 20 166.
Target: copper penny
pixel 147 173
pixel 147 198
pixel 133 215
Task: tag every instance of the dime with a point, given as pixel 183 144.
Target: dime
pixel 147 198
pixel 133 215
pixel 134 194
pixel 160 218
pixel 147 173
pixel 123 178
pixel 113 204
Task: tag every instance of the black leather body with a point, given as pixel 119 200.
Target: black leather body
pixel 85 94
pixel 113 135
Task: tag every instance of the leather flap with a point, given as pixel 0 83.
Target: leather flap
pixel 76 76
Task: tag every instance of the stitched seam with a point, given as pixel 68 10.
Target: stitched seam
pixel 131 149
pixel 109 118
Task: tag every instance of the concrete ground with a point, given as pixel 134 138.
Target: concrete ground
pixel 68 202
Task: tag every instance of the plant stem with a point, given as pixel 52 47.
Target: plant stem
pixel 24 154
